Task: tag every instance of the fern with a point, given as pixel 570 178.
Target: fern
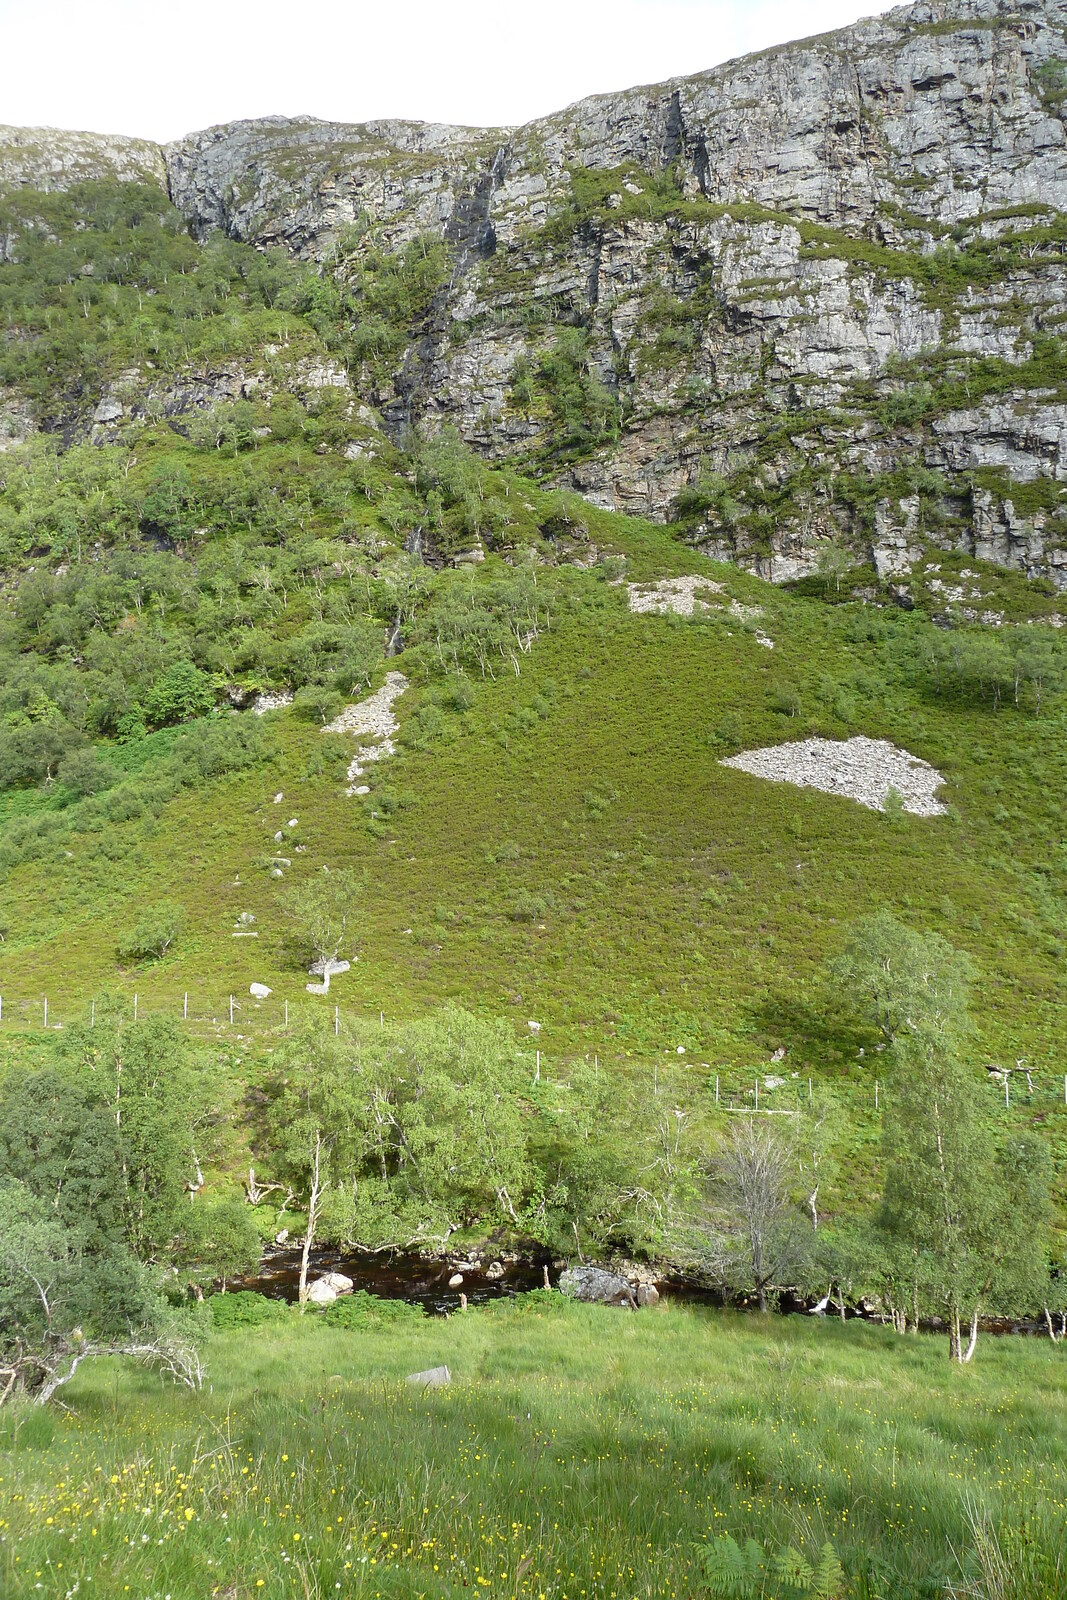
pixel 733 1572
pixel 828 1580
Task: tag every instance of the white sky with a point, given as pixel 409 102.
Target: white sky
pixel 162 68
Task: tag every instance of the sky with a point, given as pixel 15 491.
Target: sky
pixel 158 71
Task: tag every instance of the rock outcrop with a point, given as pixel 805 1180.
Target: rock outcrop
pixel 815 292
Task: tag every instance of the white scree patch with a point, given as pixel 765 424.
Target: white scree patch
pixel 680 595
pixel 859 769
pixel 372 717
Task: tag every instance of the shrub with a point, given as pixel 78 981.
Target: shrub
pixel 527 907
pixel 360 1309
pixel 84 773
pixel 245 1309
pixel 183 692
pixel 153 933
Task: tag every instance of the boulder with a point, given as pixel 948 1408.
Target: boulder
pixel 647 1294
pixel 494 1271
pixel 432 1378
pixel 596 1286
pixel 258 991
pixel 321 1293
pixel 456 1281
pixel 338 1281
pixel 330 1287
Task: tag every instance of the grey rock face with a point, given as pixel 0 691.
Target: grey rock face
pixel 768 323
pixel 596 1287
pixel 52 158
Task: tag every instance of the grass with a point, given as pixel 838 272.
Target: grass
pixel 579 1451
pixel 570 850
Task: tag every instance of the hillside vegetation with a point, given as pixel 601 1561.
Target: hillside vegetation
pixel 296 683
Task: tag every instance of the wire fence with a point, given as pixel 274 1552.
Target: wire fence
pixel 246 1017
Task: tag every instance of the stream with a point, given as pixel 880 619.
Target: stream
pixel 421 1280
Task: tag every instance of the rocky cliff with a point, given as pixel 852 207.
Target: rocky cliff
pixel 808 298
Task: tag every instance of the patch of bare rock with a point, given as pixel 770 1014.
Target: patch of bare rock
pixel 372 719
pixel 682 596
pixel 861 769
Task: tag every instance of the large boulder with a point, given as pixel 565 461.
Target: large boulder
pixel 330 1287
pixel 597 1287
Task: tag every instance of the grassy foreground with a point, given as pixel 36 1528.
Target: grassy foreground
pixel 579 1452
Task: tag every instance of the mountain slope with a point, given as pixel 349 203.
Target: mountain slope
pixel 807 297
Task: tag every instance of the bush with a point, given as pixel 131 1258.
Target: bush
pixel 153 933
pixel 182 693
pixel 527 907
pixel 84 773
pixel 245 1309
pixel 361 1309
pixel 317 703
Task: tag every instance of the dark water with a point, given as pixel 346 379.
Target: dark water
pixel 401 1276
pixel 404 1275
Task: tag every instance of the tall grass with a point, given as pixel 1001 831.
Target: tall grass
pixel 578 1453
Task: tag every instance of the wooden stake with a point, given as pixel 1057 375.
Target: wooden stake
pixel 135 1008
pixel 757 1094
pixel 46 1011
pixel 336 1022
pixel 1007 1090
pixel 231 1011
pixel 537 1073
pixel 876 1094
pixel 185 1007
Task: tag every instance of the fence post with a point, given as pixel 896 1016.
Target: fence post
pixel 46 1011
pixel 809 1091
pixel 336 1022
pixel 876 1094
pixel 185 1006
pixel 135 1007
pixel 381 1019
pixel 757 1094
pixel 537 1073
pixel 1007 1090
pixel 231 1011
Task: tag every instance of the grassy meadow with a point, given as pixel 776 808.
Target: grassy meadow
pixel 579 1452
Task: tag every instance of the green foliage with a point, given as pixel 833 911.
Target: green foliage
pixel 243 1308
pixel 183 692
pixel 219 1238
pixel 154 932
pixel 582 411
pixel 363 1310
pixel 320 909
pixel 747 1572
pixel 105 277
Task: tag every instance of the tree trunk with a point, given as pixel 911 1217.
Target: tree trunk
pixel 969 1352
pixel 954 1337
pixel 313 1206
pixel 1053 1335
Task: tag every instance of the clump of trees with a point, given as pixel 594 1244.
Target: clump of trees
pixel 99 1177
